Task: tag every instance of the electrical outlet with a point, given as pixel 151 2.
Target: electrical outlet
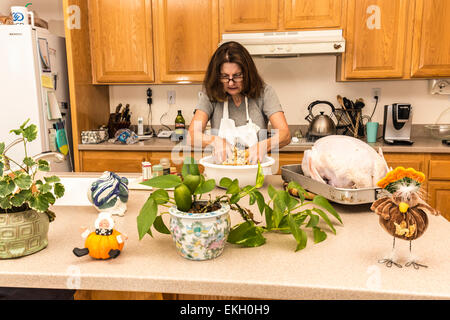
pixel 376 92
pixel 171 97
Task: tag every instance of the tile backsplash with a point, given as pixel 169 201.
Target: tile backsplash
pixel 298 82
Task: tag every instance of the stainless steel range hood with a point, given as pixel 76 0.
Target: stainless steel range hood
pixel 289 44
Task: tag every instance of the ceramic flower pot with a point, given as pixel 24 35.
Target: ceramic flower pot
pixel 200 236
pixel 22 233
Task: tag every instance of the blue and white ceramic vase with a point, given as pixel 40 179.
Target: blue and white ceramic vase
pixel 109 193
pixel 200 236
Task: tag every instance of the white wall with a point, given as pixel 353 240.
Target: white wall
pixel 298 82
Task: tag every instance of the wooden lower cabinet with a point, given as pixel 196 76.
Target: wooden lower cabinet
pixel 125 295
pixel 116 161
pixel 285 158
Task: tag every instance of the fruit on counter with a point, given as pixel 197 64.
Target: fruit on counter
pixel 192 181
pixel 183 198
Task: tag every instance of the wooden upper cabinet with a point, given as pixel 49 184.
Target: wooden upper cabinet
pixel 121 41
pixel 311 14
pixel 431 44
pixel 249 15
pixel 377 36
pixel 187 34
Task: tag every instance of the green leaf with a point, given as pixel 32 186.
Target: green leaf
pixel 298 233
pixel 323 202
pixel 319 235
pixel 48 196
pixel 205 187
pixel 1 168
pixel 43 165
pixel 39 203
pixel 235 198
pixel 44 187
pixel 160 196
pixel 234 187
pixel 59 189
pixel 163 182
pixel 225 182
pixel 246 234
pixel 29 161
pixel 5 203
pixel 259 200
pixel 30 132
pixel 324 216
pixel 160 226
pixel 259 177
pixel 146 217
pixel 23 181
pixel 19 198
pixel 6 187
pixel 271 191
pixel 292 202
pixel 2 147
pixel 268 214
pixel 313 220
pixel 24 124
pixel 52 179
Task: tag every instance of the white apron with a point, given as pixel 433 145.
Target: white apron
pixel 246 135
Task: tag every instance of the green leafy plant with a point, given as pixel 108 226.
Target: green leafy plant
pixel 283 213
pixel 19 189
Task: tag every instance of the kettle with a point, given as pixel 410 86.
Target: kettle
pixel 320 125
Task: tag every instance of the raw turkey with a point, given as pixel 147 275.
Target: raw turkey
pixel 344 162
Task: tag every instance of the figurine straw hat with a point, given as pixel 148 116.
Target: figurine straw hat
pixel 403 214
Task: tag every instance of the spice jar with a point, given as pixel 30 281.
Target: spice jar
pixel 157 170
pixel 165 163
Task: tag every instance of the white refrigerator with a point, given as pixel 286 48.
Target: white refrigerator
pixel 34 85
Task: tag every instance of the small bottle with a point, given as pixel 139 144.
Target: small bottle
pixel 165 163
pixel 157 170
pixel 146 170
pixel 140 130
pixel 173 170
pixel 180 124
pixel 52 140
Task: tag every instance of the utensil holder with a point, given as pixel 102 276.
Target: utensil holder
pixel 114 125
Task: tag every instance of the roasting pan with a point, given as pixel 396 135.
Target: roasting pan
pixel 293 172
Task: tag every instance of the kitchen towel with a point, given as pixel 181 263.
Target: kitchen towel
pixel 54 112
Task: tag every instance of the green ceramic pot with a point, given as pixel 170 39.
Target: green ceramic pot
pixel 22 233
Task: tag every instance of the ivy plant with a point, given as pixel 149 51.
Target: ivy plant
pixel 283 213
pixel 19 188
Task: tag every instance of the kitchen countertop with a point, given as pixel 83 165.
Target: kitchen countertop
pixel 344 266
pixel 422 144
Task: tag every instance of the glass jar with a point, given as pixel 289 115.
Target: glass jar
pixel 157 170
pixel 165 163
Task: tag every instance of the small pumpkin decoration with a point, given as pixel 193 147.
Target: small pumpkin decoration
pixel 103 243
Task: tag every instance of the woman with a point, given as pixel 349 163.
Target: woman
pixel 238 103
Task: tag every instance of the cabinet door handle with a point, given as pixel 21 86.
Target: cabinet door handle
pixel 337 46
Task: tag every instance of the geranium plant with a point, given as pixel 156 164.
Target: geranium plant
pixel 283 212
pixel 19 188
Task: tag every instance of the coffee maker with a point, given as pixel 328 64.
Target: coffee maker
pixel 397 123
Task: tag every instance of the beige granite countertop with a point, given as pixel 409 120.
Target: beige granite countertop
pixel 344 266
pixel 422 144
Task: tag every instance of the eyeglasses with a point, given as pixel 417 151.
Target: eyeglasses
pixel 235 78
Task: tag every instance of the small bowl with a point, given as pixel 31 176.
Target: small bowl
pixel 439 131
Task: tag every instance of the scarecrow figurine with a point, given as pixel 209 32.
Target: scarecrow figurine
pixel 105 242
pixel 403 214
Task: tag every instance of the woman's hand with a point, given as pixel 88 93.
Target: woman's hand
pixel 221 150
pixel 257 152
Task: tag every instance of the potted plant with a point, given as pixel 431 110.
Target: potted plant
pixel 201 227
pixel 24 199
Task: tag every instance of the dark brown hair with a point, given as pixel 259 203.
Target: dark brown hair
pixel 232 52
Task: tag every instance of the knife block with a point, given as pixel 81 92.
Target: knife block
pixel 114 125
